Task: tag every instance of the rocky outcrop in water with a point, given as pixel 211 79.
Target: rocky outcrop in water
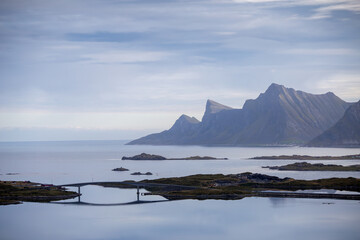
pixel 139 173
pixel 120 169
pixel 144 156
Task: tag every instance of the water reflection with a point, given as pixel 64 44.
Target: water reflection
pixel 249 218
pixel 92 195
pixel 79 202
pixel 279 202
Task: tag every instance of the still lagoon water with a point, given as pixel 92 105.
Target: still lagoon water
pixel 86 161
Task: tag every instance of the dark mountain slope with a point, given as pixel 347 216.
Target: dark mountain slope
pixel 345 133
pixel 283 115
pixel 183 129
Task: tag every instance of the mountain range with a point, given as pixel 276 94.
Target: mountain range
pixel 279 116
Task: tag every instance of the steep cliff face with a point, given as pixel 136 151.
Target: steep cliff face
pixel 212 108
pixel 345 133
pixel 278 116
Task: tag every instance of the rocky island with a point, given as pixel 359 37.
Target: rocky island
pixel 139 173
pixel 304 166
pixel 306 157
pixel 13 192
pixel 120 169
pixel 146 156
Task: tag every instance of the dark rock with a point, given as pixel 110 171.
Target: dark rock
pixel 144 156
pixel 139 173
pixel 120 169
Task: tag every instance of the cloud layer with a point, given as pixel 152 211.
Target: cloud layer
pixel 167 57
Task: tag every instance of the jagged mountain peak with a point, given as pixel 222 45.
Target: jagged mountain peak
pixel 276 90
pixel 184 121
pixel 274 94
pixel 274 87
pixel 186 118
pixel 184 126
pixel 214 107
pixel 331 94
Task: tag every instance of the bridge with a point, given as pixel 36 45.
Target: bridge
pixel 136 185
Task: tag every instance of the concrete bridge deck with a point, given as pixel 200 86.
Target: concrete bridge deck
pixel 134 184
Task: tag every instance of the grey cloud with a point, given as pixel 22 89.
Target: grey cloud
pixel 110 54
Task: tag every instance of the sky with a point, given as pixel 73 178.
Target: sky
pixel 121 69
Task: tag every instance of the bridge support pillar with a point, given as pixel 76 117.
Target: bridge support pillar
pixel 79 192
pixel 137 192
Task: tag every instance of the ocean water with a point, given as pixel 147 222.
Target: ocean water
pixel 106 217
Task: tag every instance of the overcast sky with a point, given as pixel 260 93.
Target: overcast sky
pixel 119 69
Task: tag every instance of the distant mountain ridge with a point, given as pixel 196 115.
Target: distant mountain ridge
pixel 345 133
pixel 280 115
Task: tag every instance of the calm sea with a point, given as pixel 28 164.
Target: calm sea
pixel 86 161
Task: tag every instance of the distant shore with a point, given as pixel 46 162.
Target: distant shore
pixel 306 157
pixel 304 166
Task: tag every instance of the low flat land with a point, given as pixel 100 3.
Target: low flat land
pixel 306 157
pixel 13 192
pixel 304 166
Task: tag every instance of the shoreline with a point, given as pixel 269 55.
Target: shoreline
pixel 307 157
pixel 304 166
